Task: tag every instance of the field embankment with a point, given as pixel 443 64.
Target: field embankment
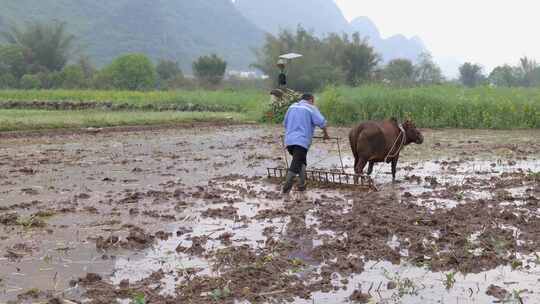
pixel 56 109
pixel 197 100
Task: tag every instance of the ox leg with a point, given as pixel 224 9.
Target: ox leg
pixel 394 169
pixel 355 164
pixel 359 169
pixel 370 168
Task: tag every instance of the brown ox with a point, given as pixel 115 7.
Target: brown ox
pixel 381 141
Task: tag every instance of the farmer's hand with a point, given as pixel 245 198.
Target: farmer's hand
pixel 326 136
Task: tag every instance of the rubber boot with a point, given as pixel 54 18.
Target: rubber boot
pixel 289 181
pixel 302 182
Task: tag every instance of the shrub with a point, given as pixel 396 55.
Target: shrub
pixel 7 81
pixel 130 72
pixel 73 77
pixel 170 76
pixel 50 80
pixel 12 60
pixel 168 69
pixel 209 69
pixel 399 72
pixel 30 82
pixel 102 80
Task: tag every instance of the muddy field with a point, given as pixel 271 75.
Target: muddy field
pixel 187 216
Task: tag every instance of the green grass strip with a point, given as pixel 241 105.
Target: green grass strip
pixel 20 120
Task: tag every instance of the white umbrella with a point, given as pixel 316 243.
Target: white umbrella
pixel 290 56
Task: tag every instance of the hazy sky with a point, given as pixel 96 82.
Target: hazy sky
pixel 489 32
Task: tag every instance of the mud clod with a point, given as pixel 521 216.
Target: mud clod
pixel 359 297
pixel 9 219
pixel 497 292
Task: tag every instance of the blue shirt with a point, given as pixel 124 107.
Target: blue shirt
pixel 300 122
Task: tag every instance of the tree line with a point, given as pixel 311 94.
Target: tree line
pixel 340 59
pixel 43 56
pixel 525 74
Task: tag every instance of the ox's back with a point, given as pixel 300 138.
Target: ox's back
pixel 370 140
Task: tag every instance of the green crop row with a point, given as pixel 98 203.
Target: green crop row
pixel 435 106
pixel 240 101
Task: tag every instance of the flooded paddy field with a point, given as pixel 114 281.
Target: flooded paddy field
pixel 188 216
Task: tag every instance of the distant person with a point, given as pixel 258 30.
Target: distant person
pixel 282 77
pixel 282 80
pixel 300 121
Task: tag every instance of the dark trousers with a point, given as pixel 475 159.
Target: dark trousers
pixel 299 158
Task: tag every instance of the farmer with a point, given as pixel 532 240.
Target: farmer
pixel 300 122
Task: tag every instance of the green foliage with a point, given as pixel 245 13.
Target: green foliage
pixel 250 102
pixel 102 80
pixel 535 77
pixel 14 120
pixel 280 101
pixel 331 60
pixel 73 77
pixel 50 80
pixel 449 280
pixel 210 69
pixel 399 72
pixel 505 76
pixel 170 75
pixel 12 61
pixel 30 82
pixel 319 76
pixel 7 81
pixel 516 264
pixel 220 294
pixel 470 74
pixel 130 72
pixel 139 298
pixel 438 106
pixel 527 68
pixel 358 60
pixel 49 46
pixel 168 69
pixel 526 74
pixel 427 72
pixel 404 286
pixel 429 106
pixel 335 108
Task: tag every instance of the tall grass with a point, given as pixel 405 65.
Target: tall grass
pixel 17 120
pixel 435 106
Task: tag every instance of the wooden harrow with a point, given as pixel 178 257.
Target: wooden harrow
pixel 328 177
pixel 336 177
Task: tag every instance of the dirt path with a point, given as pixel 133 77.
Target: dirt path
pixel 182 214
